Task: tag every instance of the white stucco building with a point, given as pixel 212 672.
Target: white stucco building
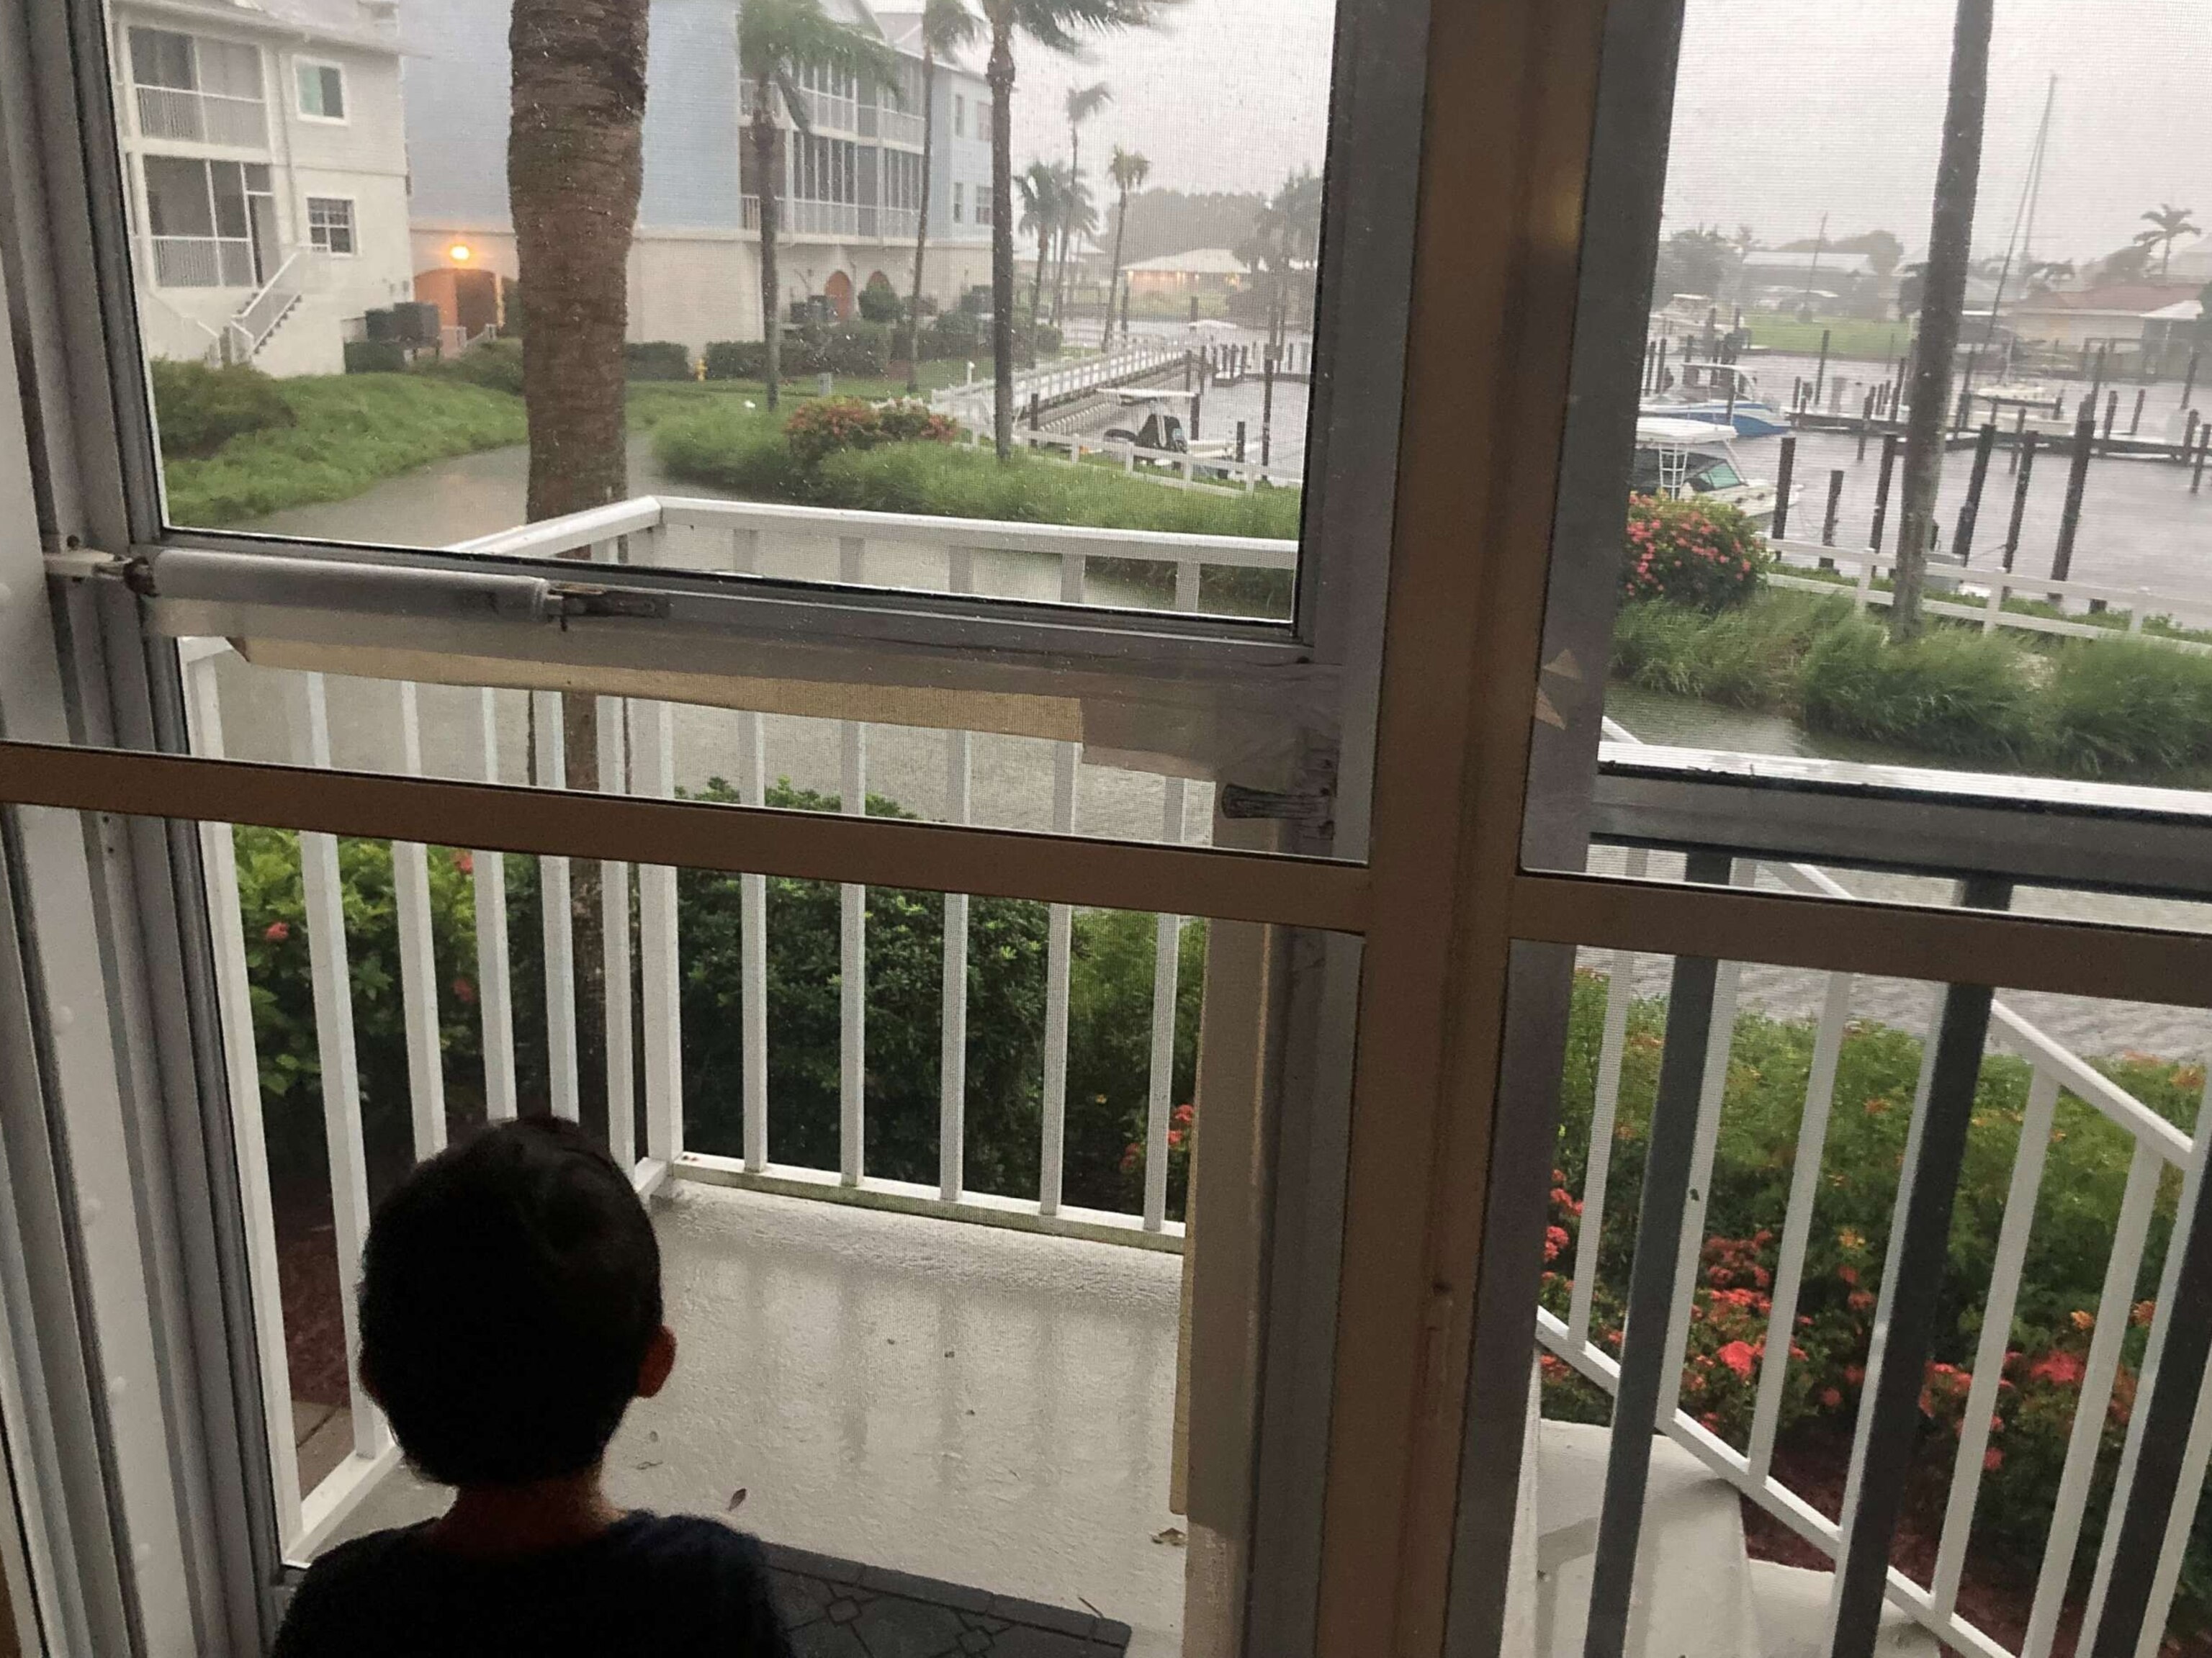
pixel 851 187
pixel 265 169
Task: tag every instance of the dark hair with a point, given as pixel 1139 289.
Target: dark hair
pixel 509 1289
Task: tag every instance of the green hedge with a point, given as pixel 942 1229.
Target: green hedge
pixel 2080 707
pixel 494 364
pixel 657 360
pixel 375 358
pixel 1109 1037
pixel 199 409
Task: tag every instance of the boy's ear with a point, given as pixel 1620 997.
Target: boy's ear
pixel 660 1359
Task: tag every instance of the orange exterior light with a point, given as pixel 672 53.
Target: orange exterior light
pixel 460 252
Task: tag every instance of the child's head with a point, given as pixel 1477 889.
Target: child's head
pixel 510 1307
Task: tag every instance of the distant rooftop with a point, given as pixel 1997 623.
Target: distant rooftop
pixel 2115 299
pixel 1803 260
pixel 1198 262
pixel 359 22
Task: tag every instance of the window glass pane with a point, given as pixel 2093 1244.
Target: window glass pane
pixel 1899 416
pixel 322 91
pixel 229 186
pixel 229 67
pixel 1192 323
pixel 176 202
pixel 161 58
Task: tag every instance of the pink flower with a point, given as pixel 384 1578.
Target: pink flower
pixel 464 862
pixel 1738 1356
pixel 278 931
pixel 1992 1460
pixel 2064 1369
pixel 464 993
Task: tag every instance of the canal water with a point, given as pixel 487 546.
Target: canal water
pixel 2141 525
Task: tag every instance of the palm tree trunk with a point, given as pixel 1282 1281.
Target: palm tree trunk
pixel 1120 224
pixel 574 165
pixel 771 210
pixel 1001 77
pixel 1067 231
pixel 1943 306
pixel 1036 288
pixel 922 225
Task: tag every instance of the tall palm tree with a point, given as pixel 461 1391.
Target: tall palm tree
pixel 1129 170
pixel 946 25
pixel 1043 191
pixel 778 40
pixel 1942 305
pixel 574 165
pixel 1083 103
pixel 2168 225
pixel 1078 218
pixel 1058 25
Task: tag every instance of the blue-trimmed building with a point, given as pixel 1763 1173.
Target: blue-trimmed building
pixel 851 192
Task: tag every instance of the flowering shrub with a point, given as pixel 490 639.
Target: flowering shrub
pixel 822 425
pixel 1731 1339
pixel 1692 552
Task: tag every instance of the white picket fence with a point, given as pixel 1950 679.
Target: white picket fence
pixel 1988 608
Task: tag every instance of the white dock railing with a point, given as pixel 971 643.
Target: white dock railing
pixel 2053 1068
pixel 972 403
pixel 1212 474
pixel 2141 603
pixel 644 731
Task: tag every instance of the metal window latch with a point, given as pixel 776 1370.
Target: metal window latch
pixel 1309 806
pixel 566 601
pixel 81 563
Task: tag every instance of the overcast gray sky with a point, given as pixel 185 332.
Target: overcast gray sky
pixel 1781 113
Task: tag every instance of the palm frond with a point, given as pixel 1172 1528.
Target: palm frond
pixel 1084 102
pixel 1061 25
pixel 948 25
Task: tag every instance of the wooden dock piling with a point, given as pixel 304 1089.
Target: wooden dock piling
pixel 1835 511
pixel 1889 447
pixel 2077 481
pixel 1783 475
pixel 2023 471
pixel 1970 513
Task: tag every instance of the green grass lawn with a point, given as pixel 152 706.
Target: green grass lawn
pixel 1849 336
pixel 353 430
pixel 350 431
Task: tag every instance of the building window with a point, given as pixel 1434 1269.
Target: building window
pixel 959 204
pixel 212 224
pixel 330 225
pixel 322 92
pixel 198 90
pixel 959 116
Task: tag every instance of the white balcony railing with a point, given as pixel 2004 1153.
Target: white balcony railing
pixel 802 217
pixel 829 112
pixel 259 317
pixel 2160 1148
pixel 203 117
pixel 636 737
pixel 202 261
pixel 898 126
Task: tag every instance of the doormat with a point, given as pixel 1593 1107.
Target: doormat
pixel 837 1609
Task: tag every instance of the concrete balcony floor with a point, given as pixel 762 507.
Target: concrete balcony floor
pixel 963 1402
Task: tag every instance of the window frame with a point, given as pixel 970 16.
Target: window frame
pixel 352 225
pixel 301 65
pixel 1405 1381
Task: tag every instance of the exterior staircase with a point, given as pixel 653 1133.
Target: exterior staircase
pixel 1698 1594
